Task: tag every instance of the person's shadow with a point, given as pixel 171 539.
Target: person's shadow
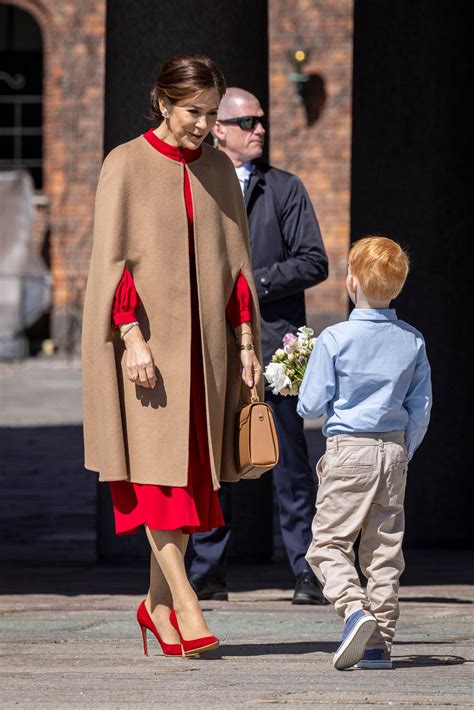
pixel 293 648
pixel 427 660
pixel 329 647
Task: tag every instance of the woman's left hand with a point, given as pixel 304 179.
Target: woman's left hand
pixel 251 368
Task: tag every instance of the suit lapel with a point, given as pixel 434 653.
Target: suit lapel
pixel 254 180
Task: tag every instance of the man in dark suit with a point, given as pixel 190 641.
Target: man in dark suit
pixel 288 256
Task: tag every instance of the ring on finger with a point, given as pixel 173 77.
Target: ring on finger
pixel 133 378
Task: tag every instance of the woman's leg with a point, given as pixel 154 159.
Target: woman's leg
pixel 168 547
pixel 159 602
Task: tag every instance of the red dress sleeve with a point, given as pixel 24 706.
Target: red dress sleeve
pixel 239 308
pixel 126 301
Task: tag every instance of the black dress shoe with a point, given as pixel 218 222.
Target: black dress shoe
pixel 308 591
pixel 209 587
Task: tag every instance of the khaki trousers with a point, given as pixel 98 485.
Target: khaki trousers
pixel 361 490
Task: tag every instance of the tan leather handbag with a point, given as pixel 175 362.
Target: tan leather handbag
pixel 256 444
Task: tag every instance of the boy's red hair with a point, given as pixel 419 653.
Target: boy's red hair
pixel 381 265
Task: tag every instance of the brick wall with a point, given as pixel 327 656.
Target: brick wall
pixel 73 35
pixel 73 42
pixel 320 153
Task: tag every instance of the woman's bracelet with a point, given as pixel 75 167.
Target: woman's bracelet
pixel 247 346
pixel 127 327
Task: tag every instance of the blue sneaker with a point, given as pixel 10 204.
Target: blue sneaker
pixel 358 629
pixel 375 659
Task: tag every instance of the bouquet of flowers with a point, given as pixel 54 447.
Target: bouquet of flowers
pixel 288 364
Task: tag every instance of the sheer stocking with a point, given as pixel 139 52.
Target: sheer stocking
pixel 168 548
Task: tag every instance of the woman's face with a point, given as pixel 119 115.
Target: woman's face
pixel 189 121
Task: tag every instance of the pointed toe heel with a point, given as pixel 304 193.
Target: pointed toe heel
pixel 194 646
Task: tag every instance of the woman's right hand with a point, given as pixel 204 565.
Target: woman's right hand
pixel 140 364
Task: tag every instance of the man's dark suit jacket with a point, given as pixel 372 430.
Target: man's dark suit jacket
pixel 288 254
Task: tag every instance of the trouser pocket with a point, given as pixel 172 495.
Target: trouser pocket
pixel 319 468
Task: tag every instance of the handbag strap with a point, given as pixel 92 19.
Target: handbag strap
pixel 254 395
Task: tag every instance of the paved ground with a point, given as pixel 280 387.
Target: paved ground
pixel 48 501
pixel 68 636
pixel 40 391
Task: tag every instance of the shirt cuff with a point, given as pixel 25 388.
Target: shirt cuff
pixel 245 317
pixel 124 317
pixel 238 318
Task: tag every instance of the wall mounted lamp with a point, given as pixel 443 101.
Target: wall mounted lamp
pixel 298 58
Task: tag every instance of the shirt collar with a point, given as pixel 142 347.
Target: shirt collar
pixel 373 314
pixel 244 170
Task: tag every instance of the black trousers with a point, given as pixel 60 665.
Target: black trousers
pixel 295 488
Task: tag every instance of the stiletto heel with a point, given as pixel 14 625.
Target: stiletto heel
pixel 195 646
pixel 145 645
pixel 146 622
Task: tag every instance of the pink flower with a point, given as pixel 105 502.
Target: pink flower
pixel 289 338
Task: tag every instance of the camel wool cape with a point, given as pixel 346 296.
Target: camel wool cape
pixel 142 435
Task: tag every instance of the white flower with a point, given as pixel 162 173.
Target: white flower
pixel 276 376
pixel 288 364
pixel 305 334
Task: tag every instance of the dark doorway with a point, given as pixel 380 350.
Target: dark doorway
pixel 21 92
pixel 411 181
pixel 142 36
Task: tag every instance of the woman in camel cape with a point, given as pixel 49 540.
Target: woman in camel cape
pixel 171 327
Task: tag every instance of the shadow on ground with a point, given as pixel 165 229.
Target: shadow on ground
pixel 48 513
pixel 273 649
pixel 435 600
pixel 75 579
pixel 427 661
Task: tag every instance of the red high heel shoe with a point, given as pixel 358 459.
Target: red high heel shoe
pixel 146 622
pixel 195 646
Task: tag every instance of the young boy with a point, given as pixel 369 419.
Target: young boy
pixel 371 376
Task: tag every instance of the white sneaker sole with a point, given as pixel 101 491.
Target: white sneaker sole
pixel 352 649
pixel 373 665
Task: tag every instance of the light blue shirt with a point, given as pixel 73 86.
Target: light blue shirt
pixel 369 374
pixel 243 173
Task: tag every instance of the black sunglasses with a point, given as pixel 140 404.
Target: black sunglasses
pixel 246 123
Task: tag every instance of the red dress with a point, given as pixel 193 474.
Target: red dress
pixel 195 507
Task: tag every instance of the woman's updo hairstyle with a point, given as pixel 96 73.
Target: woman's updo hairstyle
pixel 183 76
